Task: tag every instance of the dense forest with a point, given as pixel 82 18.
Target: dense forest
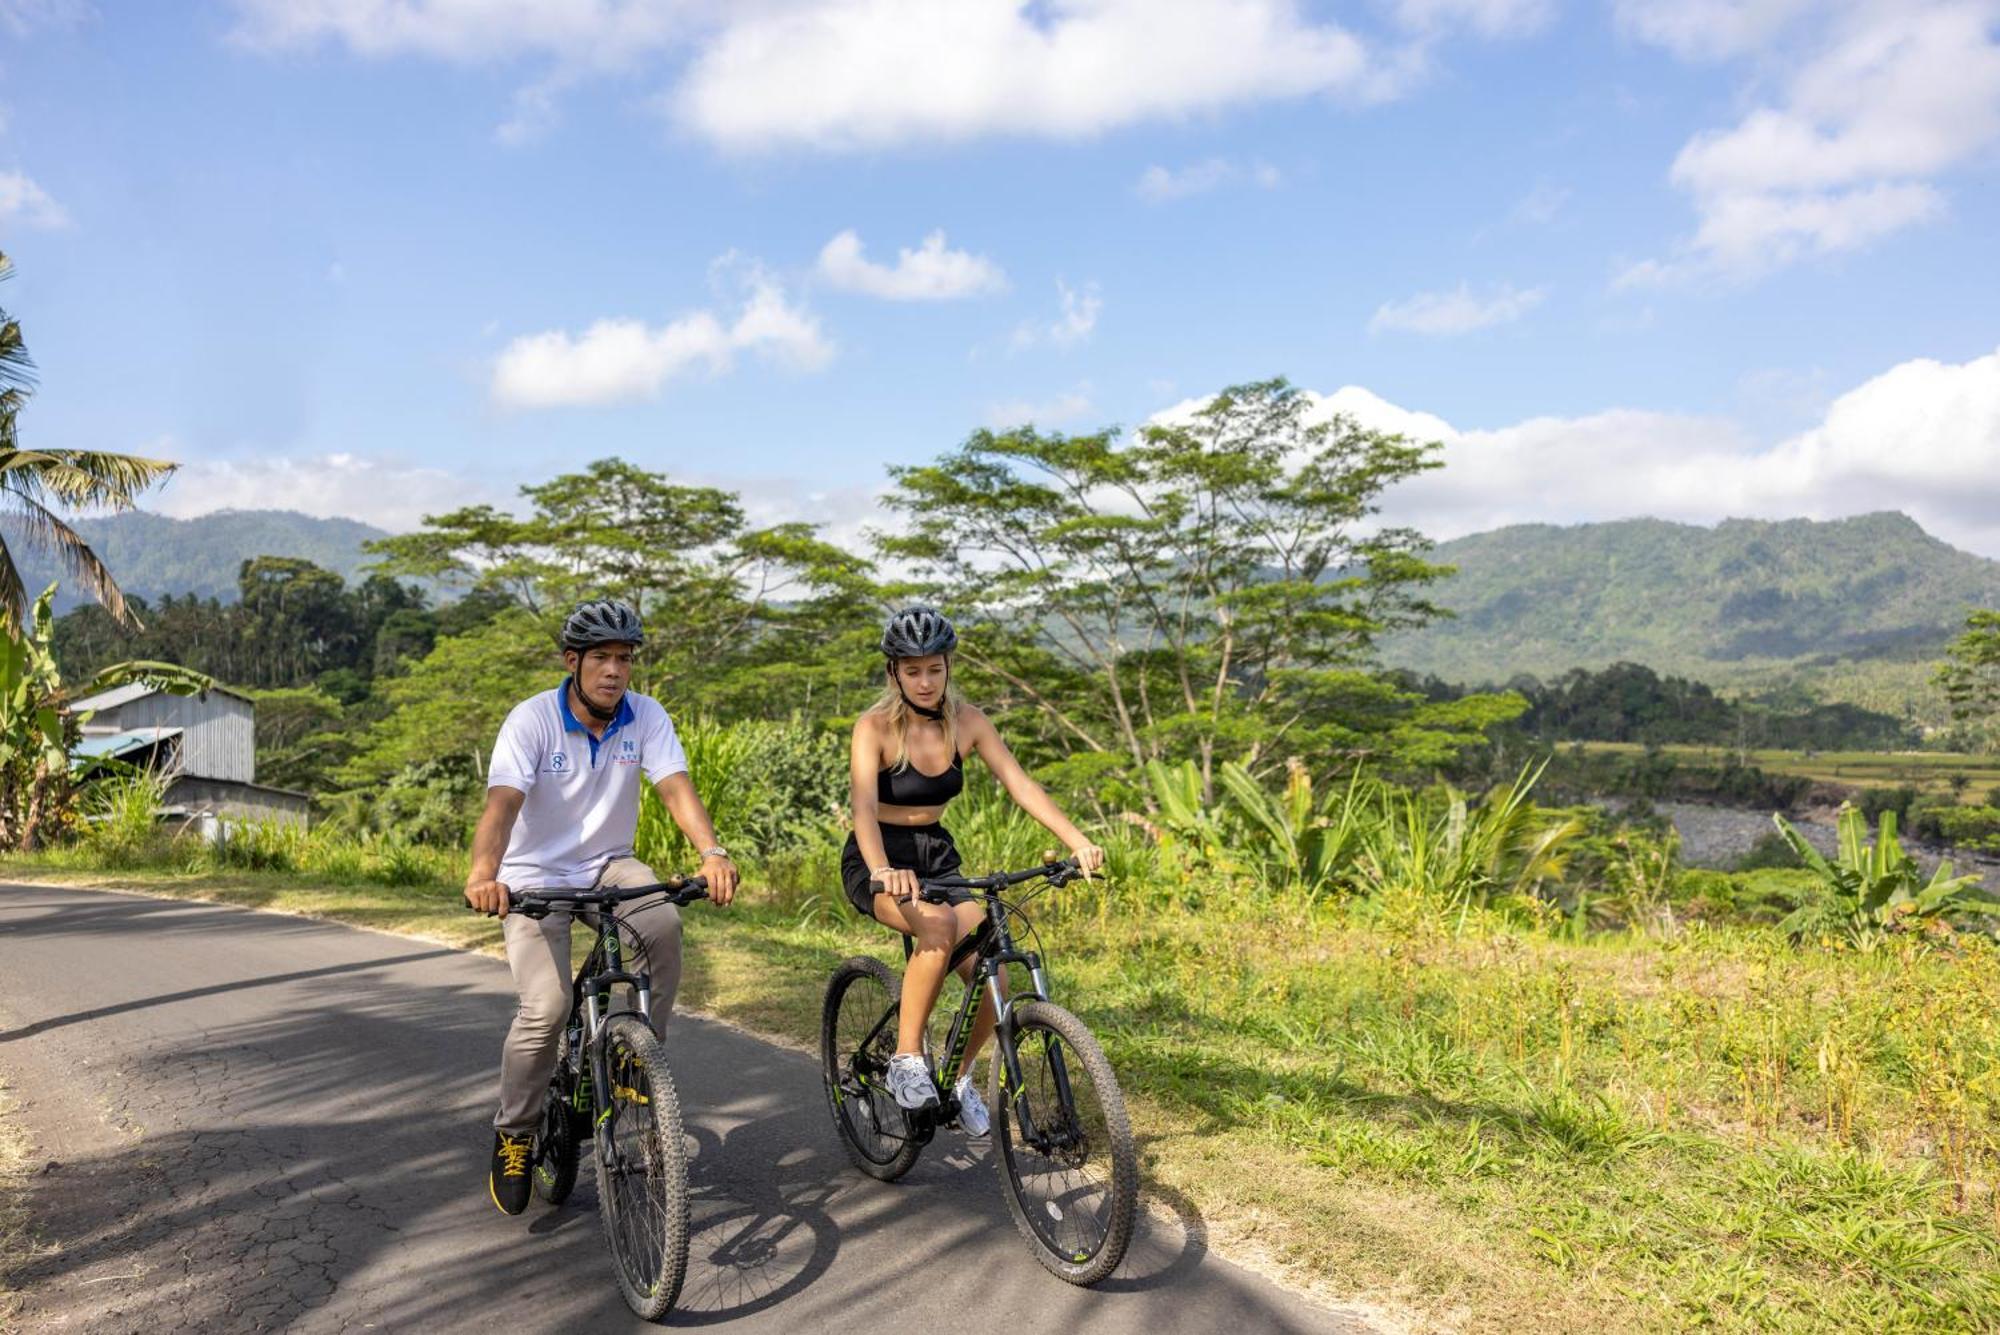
pixel 1630 702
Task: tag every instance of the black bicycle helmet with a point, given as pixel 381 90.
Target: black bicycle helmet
pixel 916 632
pixel 602 621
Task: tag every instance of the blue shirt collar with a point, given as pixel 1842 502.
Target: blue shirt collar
pixel 570 723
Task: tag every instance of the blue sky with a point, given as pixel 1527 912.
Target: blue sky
pixel 378 257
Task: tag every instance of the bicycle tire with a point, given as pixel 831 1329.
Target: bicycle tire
pixel 872 1127
pixel 1056 1234
pixel 645 1222
pixel 556 1151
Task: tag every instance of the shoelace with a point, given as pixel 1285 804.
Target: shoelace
pixel 514 1155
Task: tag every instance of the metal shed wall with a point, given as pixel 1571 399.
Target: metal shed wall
pixel 219 737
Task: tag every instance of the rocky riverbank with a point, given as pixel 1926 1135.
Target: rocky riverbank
pixel 1719 836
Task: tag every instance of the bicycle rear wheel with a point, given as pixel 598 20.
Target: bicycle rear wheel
pixel 563 1130
pixel 1066 1160
pixel 642 1169
pixel 857 1038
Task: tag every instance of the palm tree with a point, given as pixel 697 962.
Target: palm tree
pixel 36 485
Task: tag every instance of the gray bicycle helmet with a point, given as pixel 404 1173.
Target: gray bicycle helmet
pixel 916 632
pixel 602 621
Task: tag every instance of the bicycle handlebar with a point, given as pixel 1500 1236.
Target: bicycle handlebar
pixel 1057 874
pixel 537 901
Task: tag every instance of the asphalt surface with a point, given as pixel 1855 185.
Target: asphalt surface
pixel 257 1122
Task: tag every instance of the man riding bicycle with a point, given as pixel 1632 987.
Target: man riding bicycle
pixel 562 809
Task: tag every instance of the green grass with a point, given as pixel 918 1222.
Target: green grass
pixel 1930 772
pixel 1489 1130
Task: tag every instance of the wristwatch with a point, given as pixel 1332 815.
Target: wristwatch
pixel 717 852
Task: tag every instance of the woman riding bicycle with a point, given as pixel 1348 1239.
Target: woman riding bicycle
pixel 907 763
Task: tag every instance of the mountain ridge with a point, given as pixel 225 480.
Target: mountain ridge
pixel 152 554
pixel 1708 601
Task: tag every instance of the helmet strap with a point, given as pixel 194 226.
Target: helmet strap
pixel 934 715
pixel 590 706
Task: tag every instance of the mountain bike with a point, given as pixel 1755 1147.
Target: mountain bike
pixel 1064 1145
pixel 612 1091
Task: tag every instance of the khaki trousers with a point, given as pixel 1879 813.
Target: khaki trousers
pixel 538 953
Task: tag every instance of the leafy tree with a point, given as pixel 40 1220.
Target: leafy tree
pixel 1214 585
pixel 722 596
pixel 37 486
pixel 449 704
pixel 303 735
pixel 1970 673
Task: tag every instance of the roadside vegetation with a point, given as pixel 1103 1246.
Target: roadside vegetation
pixel 1481 1061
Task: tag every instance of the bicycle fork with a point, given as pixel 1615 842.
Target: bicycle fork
pixel 1013 1084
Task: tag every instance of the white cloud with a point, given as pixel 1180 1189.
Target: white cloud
pixel 1488 18
pixel 1878 100
pixel 1710 29
pixel 750 75
pixel 1158 185
pixel 593 33
pixel 536 112
pixel 1922 437
pixel 23 201
pixel 929 273
pixel 1542 204
pixel 21 17
pixel 1062 408
pixel 618 360
pixel 389 493
pixel 1456 312
pixel 862 73
pixel 1080 308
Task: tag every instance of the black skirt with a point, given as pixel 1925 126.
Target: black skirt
pixel 926 850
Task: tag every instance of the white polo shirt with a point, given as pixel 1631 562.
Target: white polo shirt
pixel 582 806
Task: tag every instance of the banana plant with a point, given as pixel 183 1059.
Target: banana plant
pixel 1184 818
pixel 1312 843
pixel 38 728
pixel 1872 889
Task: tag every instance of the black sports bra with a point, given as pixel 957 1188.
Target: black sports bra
pixel 911 787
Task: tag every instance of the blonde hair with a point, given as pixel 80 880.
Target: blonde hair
pixel 892 708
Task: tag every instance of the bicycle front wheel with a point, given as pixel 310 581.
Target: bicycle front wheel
pixel 642 1169
pixel 1066 1160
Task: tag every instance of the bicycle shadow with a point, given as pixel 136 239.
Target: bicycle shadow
pixel 753 1241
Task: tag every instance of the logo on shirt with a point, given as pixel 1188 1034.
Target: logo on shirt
pixel 628 753
pixel 558 762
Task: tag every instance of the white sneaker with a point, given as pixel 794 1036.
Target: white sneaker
pixel 910 1081
pixel 972 1114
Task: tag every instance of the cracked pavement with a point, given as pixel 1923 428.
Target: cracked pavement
pixel 252 1122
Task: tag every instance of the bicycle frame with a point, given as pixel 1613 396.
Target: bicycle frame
pixel 992 942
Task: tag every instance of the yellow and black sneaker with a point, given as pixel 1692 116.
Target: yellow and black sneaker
pixel 509 1182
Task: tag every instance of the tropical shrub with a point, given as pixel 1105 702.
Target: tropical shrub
pixel 1874 889
pixel 1439 853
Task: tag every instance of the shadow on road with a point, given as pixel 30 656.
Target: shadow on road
pixel 193 993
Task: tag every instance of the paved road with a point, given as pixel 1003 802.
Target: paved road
pixel 263 1122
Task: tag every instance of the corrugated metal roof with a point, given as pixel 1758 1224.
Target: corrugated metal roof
pixel 138 690
pixel 121 743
